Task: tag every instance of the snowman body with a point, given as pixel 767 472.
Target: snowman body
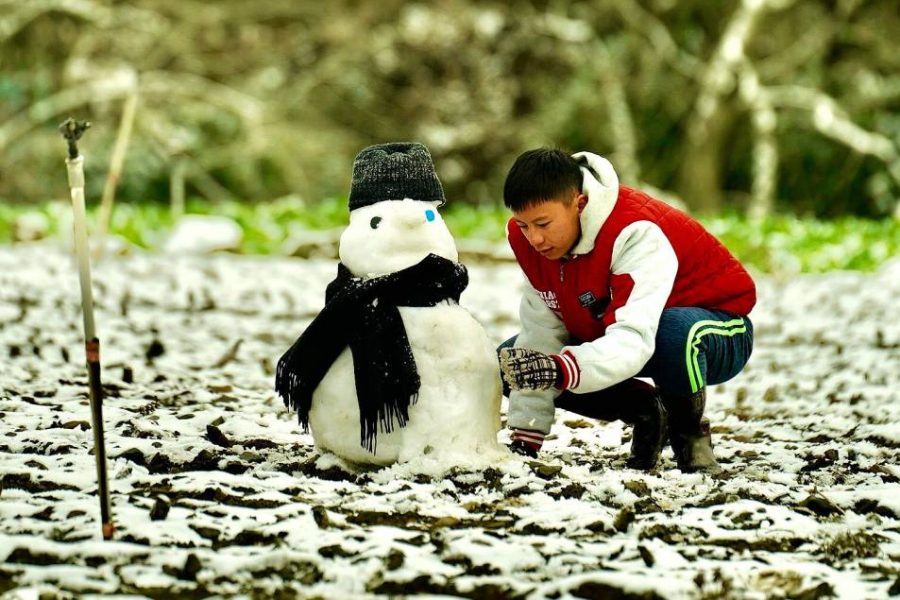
pixel 457 413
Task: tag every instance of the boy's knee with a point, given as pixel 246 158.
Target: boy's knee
pixel 667 367
pixel 671 336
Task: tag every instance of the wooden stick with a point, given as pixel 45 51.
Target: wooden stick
pixel 176 187
pixel 115 170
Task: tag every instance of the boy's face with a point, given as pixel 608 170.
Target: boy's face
pixel 552 227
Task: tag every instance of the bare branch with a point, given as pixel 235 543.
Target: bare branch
pixel 168 84
pixel 644 22
pixel 806 46
pixel 831 120
pixel 101 90
pixel 115 169
pixel 719 76
pixel 621 124
pixel 620 120
pixel 26 12
pixel 765 147
pixel 156 84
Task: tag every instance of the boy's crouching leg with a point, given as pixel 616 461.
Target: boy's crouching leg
pixel 649 435
pixel 689 433
pixel 633 402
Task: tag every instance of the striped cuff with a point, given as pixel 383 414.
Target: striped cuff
pixel 533 439
pixel 568 367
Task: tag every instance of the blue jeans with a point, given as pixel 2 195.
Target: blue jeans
pixel 695 347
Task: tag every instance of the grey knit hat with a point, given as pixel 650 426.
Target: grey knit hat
pixel 394 172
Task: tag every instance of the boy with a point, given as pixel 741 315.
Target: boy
pixel 621 286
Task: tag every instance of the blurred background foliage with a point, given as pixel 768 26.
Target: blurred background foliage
pixel 749 107
pixel 777 243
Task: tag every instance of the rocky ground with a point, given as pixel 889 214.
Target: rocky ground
pixel 217 493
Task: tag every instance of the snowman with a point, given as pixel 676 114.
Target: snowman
pixel 393 369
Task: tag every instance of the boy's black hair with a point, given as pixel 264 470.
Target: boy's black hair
pixel 539 175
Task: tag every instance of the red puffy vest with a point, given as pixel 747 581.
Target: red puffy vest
pixel 584 294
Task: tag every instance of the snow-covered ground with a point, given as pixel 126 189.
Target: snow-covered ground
pixel 217 493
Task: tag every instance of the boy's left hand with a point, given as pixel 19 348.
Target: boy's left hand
pixel 525 369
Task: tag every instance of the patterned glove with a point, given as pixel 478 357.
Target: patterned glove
pixel 525 369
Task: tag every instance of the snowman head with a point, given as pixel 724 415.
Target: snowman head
pixel 392 235
pixel 394 223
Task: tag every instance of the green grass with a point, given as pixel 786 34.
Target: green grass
pixel 780 243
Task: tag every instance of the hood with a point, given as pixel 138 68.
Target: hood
pixel 601 185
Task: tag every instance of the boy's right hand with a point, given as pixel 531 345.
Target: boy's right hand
pixel 525 369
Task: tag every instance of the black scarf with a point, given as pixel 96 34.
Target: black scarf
pixel 362 313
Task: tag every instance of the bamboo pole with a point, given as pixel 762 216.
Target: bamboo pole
pixel 72 131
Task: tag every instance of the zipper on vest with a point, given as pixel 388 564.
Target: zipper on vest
pixel 562 267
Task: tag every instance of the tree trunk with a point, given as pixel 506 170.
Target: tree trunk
pixel 700 176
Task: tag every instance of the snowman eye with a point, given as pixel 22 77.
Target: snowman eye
pixel 374 222
pixel 429 215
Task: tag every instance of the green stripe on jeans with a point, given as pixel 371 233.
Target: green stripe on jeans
pixel 692 350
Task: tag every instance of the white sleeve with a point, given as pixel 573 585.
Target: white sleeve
pixel 543 331
pixel 643 253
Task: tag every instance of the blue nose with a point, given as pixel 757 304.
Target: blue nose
pixel 429 215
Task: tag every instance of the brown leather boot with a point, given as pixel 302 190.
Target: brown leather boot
pixel 689 433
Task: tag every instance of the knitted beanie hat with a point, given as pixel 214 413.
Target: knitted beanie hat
pixel 394 172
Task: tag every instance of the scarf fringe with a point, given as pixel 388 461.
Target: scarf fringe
pixel 384 422
pixel 290 387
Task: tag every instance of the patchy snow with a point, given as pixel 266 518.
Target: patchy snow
pixel 202 234
pixel 216 492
